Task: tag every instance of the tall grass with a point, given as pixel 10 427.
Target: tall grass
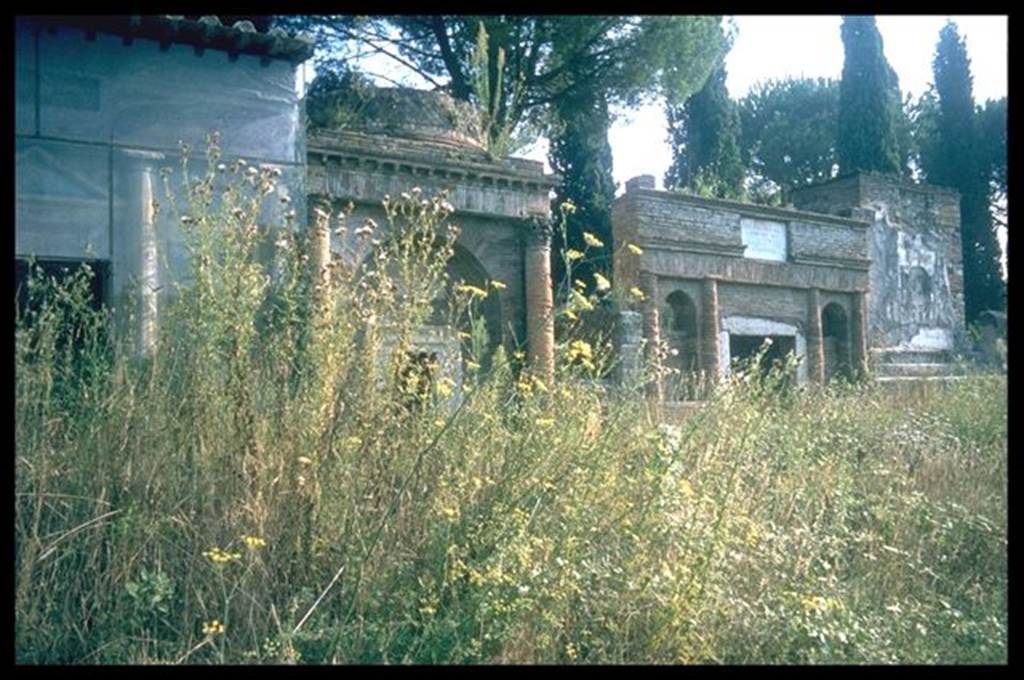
pixel 266 489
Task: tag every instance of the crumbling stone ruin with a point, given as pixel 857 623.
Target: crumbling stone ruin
pixel 863 275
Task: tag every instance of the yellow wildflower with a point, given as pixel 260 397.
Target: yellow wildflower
pixel 218 556
pixel 592 240
pixel 544 423
pixel 572 315
pixel 568 207
pixel 636 250
pixel 582 301
pixel 580 352
pixel 445 387
pixel 602 282
pixel 254 542
pixel 212 628
pixel 498 285
pixel 473 291
pixel 637 293
pixel 685 488
pixel 573 254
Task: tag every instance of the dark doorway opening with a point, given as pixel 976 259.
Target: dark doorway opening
pixel 61 270
pixel 74 322
pixel 744 348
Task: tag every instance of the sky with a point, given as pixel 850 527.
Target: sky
pixel 774 47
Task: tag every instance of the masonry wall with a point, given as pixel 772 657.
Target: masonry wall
pixel 916 276
pixel 688 242
pixel 492 200
pixel 690 237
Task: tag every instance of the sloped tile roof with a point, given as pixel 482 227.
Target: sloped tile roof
pixel 205 33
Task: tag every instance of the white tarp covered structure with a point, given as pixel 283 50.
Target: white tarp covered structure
pixel 102 104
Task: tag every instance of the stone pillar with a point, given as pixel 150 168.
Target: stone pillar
pixel 815 340
pixel 540 322
pixel 709 328
pixel 149 280
pixel 652 332
pixel 630 342
pixel 859 335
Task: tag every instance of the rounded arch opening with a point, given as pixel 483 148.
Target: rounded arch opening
pixel 681 333
pixel 682 319
pixel 835 330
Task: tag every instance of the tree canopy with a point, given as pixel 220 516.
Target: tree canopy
pixel 869 102
pixel 581 154
pixel 788 133
pixel 513 67
pixel 703 134
pixel 958 157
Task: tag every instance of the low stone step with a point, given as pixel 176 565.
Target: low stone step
pixel 911 383
pixel 906 356
pixel 914 370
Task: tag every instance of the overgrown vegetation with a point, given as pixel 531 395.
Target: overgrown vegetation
pixel 266 489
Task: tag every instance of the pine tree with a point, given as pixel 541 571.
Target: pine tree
pixel 581 153
pixel 704 136
pixel 869 102
pixel 959 162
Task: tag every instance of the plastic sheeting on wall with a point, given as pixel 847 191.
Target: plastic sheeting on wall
pixel 157 256
pixel 62 199
pixel 137 95
pixel 24 80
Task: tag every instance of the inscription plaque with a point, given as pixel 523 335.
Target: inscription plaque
pixel 764 239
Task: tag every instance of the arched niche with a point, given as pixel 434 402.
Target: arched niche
pixel 835 330
pixel 681 334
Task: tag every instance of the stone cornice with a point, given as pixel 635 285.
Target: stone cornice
pixel 880 178
pixel 858 263
pixel 744 209
pixel 439 160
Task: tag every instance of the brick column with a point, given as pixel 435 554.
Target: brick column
pixel 859 335
pixel 652 332
pixel 709 329
pixel 815 341
pixel 540 323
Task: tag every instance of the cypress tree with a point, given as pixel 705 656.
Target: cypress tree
pixel 704 136
pixel 869 102
pixel 959 162
pixel 581 153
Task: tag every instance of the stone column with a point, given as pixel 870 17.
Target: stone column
pixel 630 343
pixel 652 332
pixel 149 280
pixel 709 328
pixel 540 322
pixel 859 335
pixel 815 340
